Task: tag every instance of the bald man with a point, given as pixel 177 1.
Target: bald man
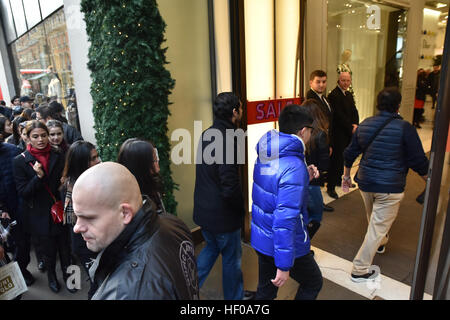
pixel 142 255
pixel 345 122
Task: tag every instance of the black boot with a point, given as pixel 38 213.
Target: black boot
pixel 53 283
pixel 28 277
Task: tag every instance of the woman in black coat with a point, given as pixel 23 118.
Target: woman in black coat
pixel 318 154
pixel 37 173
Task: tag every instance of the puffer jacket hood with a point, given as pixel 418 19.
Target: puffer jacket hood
pixel 275 142
pixel 279 210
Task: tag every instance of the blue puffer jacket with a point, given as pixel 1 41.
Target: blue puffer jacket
pixel 385 164
pixel 280 197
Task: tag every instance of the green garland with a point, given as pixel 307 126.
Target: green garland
pixel 130 85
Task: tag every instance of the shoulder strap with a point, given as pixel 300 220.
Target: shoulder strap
pixel 376 134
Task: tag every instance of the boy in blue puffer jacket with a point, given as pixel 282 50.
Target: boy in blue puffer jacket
pixel 279 232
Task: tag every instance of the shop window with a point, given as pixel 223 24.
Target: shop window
pixel 43 65
pixel 371 50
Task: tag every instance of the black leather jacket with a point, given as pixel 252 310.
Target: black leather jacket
pixel 152 259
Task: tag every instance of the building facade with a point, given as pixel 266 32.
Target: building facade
pixel 264 50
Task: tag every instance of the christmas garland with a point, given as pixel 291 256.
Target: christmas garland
pixel 130 84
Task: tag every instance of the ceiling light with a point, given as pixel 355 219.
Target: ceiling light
pixel 440 5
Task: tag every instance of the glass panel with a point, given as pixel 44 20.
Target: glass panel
pixel 8 21
pixel 32 12
pixel 19 17
pixel 48 7
pixel 260 65
pixel 42 59
pixel 374 55
pixel 287 25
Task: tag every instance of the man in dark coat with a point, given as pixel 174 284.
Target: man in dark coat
pixel 318 84
pixel 345 122
pixel 390 146
pixel 433 83
pixel 218 199
pixel 143 255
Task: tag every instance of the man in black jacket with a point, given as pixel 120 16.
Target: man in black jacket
pixel 318 84
pixel 345 122
pixel 142 255
pixel 218 200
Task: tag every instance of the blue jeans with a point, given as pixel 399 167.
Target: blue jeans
pixel 229 245
pixel 315 204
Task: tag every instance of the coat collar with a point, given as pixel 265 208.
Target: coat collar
pixel 138 230
pixel 52 160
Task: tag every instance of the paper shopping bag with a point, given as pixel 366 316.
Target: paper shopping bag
pixel 12 282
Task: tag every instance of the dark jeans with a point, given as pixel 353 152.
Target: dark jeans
pixel 229 246
pixel 305 271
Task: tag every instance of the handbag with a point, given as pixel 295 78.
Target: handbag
pixel 57 209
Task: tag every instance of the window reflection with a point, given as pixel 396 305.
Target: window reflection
pixel 43 64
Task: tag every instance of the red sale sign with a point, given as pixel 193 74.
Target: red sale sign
pixel 268 110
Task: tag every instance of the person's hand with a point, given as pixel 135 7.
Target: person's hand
pixel 280 278
pixel 346 183
pixel 331 151
pixel 355 126
pixel 313 172
pixel 2 253
pixel 5 215
pixel 38 169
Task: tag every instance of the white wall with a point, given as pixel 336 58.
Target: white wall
pixel 79 48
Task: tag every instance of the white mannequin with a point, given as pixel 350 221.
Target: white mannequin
pixel 54 88
pixel 344 66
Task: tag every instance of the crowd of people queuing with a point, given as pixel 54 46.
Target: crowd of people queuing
pixel 114 223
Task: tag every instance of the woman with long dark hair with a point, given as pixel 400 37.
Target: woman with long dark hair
pixel 318 154
pixel 56 135
pixel 37 173
pixel 5 128
pixel 81 156
pixel 141 158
